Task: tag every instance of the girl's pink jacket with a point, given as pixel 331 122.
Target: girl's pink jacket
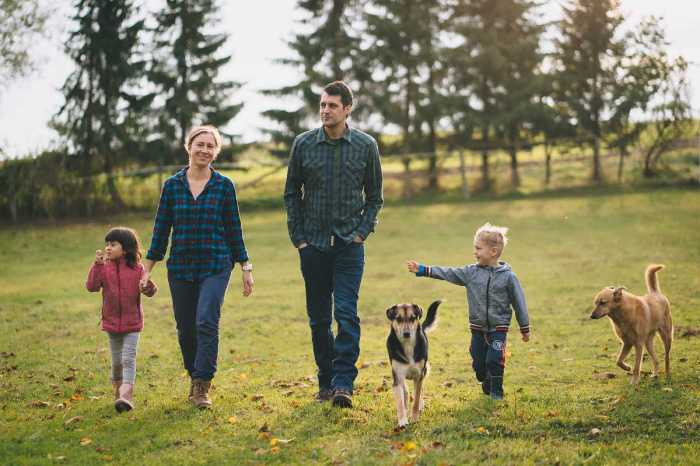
pixel 121 299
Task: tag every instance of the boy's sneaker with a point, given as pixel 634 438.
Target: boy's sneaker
pixel 342 398
pixel 486 387
pixel 324 394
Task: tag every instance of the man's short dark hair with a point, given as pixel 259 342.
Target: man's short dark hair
pixel 341 89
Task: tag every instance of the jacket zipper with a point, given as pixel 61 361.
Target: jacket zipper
pixel 119 296
pixel 488 284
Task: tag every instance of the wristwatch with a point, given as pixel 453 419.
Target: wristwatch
pixel 247 267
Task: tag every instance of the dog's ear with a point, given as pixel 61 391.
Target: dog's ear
pixel 391 312
pixel 617 294
pixel 417 311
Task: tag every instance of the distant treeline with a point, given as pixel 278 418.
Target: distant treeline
pixel 429 76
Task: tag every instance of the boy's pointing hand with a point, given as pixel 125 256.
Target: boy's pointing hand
pixel 412 266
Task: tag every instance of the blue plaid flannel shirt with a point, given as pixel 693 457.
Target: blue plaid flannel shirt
pixel 206 233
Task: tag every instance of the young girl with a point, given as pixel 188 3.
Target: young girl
pixel 117 272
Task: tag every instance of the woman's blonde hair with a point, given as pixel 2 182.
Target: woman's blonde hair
pixel 492 235
pixel 197 130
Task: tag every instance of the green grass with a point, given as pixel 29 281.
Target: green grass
pixel 54 363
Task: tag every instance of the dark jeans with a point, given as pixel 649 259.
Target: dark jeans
pixel 197 306
pixel 488 352
pixel 332 282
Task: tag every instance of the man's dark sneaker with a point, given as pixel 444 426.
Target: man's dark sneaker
pixel 486 388
pixel 324 394
pixel 496 396
pixel 342 398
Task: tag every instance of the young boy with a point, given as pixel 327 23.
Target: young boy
pixel 492 288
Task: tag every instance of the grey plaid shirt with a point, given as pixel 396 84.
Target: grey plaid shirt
pixel 334 187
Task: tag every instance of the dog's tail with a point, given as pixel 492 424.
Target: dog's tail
pixel 652 281
pixel 430 321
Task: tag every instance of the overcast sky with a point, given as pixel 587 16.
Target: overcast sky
pixel 258 31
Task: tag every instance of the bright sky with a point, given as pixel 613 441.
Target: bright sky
pixel 258 31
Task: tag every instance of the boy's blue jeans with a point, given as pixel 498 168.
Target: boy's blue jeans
pixel 197 305
pixel 488 351
pixel 332 279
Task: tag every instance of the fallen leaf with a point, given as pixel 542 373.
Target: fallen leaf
pixel 594 432
pixel 257 397
pixel 85 441
pixel 551 414
pixel 243 377
pixel 275 450
pixel 108 457
pixel 260 451
pixel 76 397
pixel 483 430
pixel 264 435
pixel 667 389
pixel 40 404
pixel 285 440
pixel 101 449
pixel 509 354
pixel 232 420
pixel 70 378
pixel 273 442
pixel 264 428
pixel 73 420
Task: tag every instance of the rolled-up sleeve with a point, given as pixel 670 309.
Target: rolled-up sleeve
pixel 162 225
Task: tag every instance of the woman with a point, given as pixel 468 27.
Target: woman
pixel 199 205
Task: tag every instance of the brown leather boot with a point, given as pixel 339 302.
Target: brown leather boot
pixel 115 385
pixel 201 393
pixel 125 401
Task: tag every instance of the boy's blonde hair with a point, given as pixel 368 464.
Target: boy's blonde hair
pixel 492 235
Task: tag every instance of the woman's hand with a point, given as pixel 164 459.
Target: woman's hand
pixel 247 283
pixel 143 283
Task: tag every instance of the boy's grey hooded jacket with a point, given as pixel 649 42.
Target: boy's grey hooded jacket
pixel 491 291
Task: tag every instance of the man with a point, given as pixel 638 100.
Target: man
pixel 333 195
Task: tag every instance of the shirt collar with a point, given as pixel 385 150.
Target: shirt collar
pixel 216 177
pixel 322 137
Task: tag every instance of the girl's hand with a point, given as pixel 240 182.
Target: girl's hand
pixel 412 266
pixel 143 283
pixel 99 257
pixel 248 283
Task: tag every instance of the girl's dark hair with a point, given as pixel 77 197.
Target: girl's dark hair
pixel 129 241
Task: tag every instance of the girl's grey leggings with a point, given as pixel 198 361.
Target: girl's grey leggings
pixel 123 347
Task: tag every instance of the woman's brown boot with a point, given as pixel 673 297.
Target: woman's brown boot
pixel 200 397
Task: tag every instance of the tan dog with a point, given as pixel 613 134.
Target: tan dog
pixel 636 319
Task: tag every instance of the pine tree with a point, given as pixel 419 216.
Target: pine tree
pixel 590 53
pixel 186 63
pixel 495 71
pixel 404 52
pixel 326 50
pixel 100 116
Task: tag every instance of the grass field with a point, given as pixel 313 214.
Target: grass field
pixel 55 400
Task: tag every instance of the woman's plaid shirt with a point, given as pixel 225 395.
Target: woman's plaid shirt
pixel 206 233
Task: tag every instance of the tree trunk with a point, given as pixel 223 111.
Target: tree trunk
pixel 547 164
pixel 620 165
pixel 485 176
pixel 597 175
pixel 117 201
pixel 463 171
pixel 408 182
pixel 514 175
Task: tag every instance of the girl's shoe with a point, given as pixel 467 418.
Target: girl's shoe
pixel 125 401
pixel 115 385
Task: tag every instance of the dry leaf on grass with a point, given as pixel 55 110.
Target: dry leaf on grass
pixel 85 441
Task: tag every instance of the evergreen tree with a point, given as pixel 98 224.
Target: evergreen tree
pixel 404 52
pixel 496 66
pixel 590 53
pixel 186 63
pixel 20 22
pixel 325 50
pixel 100 116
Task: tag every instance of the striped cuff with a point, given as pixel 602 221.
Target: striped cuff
pixel 525 329
pixel 423 271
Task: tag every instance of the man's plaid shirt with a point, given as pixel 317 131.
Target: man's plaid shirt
pixel 334 187
pixel 206 232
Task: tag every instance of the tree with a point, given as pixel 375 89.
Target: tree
pixel 100 116
pixel 325 50
pixel 404 51
pixel 496 64
pixel 185 68
pixel 589 52
pixel 21 21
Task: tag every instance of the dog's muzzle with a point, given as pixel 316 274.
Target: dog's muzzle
pixel 596 316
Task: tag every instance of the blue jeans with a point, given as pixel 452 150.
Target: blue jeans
pixel 197 305
pixel 332 280
pixel 488 351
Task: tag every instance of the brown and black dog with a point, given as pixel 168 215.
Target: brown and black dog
pixel 407 344
pixel 636 320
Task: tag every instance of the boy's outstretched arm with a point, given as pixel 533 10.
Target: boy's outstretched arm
pixel 456 275
pixel 520 306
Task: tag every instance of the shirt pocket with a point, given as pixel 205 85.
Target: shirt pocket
pixel 354 168
pixel 314 166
